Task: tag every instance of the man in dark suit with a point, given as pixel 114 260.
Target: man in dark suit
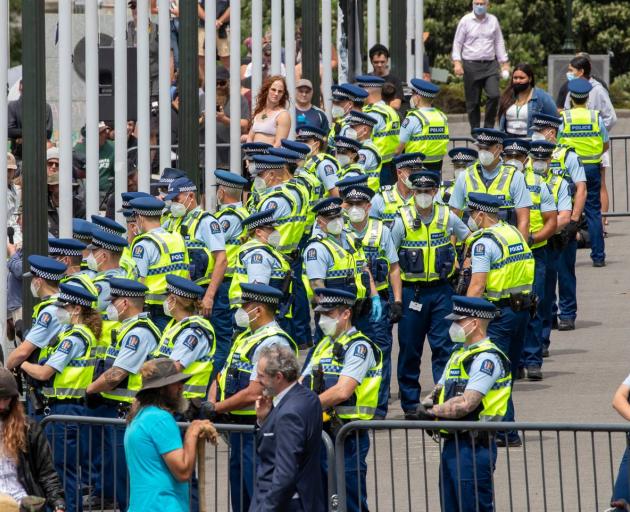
pixel 288 441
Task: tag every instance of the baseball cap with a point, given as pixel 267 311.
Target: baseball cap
pixel 160 372
pixel 304 82
pixel 11 163
pixel 52 152
pixel 8 385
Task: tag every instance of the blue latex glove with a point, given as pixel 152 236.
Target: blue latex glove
pixel 377 309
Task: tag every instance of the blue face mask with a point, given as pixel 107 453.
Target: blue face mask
pixel 571 76
pixel 479 10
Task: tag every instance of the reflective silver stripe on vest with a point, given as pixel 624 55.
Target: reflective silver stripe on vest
pixel 508 291
pixel 476 182
pixel 491 418
pixel 347 409
pixel 122 392
pixel 155 296
pixel 55 392
pixel 504 176
pixel 194 389
pixel 160 240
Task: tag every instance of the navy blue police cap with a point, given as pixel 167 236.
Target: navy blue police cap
pixel 329 207
pixel 369 81
pixel 296 146
pixel 413 160
pixel 348 92
pixel 356 117
pixel 256 292
pixel 267 163
pixel 307 132
pixel 351 181
pixel 129 214
pixel 102 239
pixel 579 88
pixel 178 186
pixel 425 179
pixel 170 174
pixel 229 179
pixel 357 193
pixel 463 156
pixel 255 148
pixel 541 121
pixel 66 246
pixel 259 219
pixel 120 287
pixel 46 268
pixel 424 88
pixel 107 224
pixel 331 298
pixel 74 294
pixel 128 196
pixel 347 143
pixel 287 155
pixel 488 136
pixel 183 287
pixel 81 230
pixel 542 149
pixel 466 307
pixel 147 206
pixel 515 147
pixel 484 202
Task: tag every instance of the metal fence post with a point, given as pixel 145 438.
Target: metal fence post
pixel 289 53
pixel 398 39
pixel 4 69
pixel 276 37
pixel 310 45
pixel 235 85
pixel 327 56
pixel 92 182
pixel 143 96
pixel 64 51
pixel 120 105
pixel 164 82
pixel 210 116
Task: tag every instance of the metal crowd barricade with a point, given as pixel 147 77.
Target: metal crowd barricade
pixel 93 431
pixel 617 177
pixel 559 466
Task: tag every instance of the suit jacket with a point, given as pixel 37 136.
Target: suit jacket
pixel 288 447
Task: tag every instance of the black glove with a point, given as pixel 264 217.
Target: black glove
pixel 395 312
pixel 572 229
pixel 207 411
pixel 420 414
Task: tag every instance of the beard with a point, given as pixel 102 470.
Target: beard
pixel 269 392
pixel 178 404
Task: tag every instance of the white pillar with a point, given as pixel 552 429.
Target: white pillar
pixel 235 85
pixel 289 53
pixel 384 22
pixel 210 140
pixel 64 52
pixel 327 56
pixel 411 33
pixel 91 100
pixel 342 50
pixel 164 64
pixel 4 69
pixel 276 36
pixel 257 35
pixel 120 104
pixel 143 97
pixel 419 17
pixel 371 23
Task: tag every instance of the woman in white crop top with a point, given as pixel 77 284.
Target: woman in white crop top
pixel 271 121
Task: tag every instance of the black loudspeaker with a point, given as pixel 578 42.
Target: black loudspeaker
pixel 106 79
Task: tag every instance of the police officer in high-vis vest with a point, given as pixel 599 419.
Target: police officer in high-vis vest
pixel 490 175
pixel 386 131
pixel 425 129
pixel 584 130
pixel 391 198
pixel 345 369
pixel 347 154
pixel 66 370
pixel 82 231
pixel 258 261
pixel 156 253
pixel 320 163
pixel 566 164
pixel 345 97
pixel 502 268
pixel 188 339
pixel 426 255
pixel 543 224
pixel 112 227
pixel 168 176
pixel 237 387
pixel 130 222
pixel 45 274
pixel 359 126
pixel 461 158
pixel 475 386
pixel 382 260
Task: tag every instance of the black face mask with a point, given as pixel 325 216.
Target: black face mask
pixel 520 87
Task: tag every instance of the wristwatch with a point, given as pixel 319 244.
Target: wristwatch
pixel 530 240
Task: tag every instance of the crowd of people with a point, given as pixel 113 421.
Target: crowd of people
pixel 319 249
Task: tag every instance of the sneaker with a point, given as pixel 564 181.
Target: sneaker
pixel 515 442
pixel 566 325
pixel 545 352
pixel 534 373
pixel 599 264
pixel 520 374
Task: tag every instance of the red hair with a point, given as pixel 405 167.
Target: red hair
pixel 261 99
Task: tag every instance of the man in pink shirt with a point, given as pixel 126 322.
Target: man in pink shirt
pixel 477 47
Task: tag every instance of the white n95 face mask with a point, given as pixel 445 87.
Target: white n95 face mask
pixel 335 226
pixel 424 200
pixel 274 238
pixel 343 160
pixel 336 112
pixel 241 318
pixel 328 325
pixel 457 333
pixel 516 163
pixel 486 157
pixel 356 214
pixel 178 210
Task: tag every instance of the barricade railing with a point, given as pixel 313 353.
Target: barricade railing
pixel 96 461
pixel 558 466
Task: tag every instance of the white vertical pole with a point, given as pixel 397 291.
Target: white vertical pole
pixel 120 104
pixel 342 52
pixel 371 23
pixel 164 80
pixel 143 97
pixel 384 22
pixel 4 71
pixel 326 56
pixel 289 52
pixel 91 100
pixel 411 27
pixel 419 39
pixel 210 116
pixel 276 36
pixel 235 85
pixel 257 35
pixel 64 51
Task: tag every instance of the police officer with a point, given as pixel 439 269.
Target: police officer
pixel 66 371
pixel 71 252
pixel 422 235
pixel 345 97
pixel 130 221
pixel 566 164
pixel 251 149
pixel 461 158
pixel 347 154
pixel 382 260
pixel 475 386
pixel 392 198
pixel 345 369
pixel 111 226
pixel 319 163
pixel 491 176
pixel 502 268
pixel 168 176
pixel 360 126
pixel 188 339
pixel 45 274
pixel 543 224
pixel 132 342
pixel 237 388
pixel 385 133
pixel 583 130
pixel 82 231
pixel 425 128
pixel 156 253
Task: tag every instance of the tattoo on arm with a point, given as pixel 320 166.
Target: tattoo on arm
pixel 114 376
pixel 459 406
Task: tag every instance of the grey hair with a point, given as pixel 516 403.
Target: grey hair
pixel 280 359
